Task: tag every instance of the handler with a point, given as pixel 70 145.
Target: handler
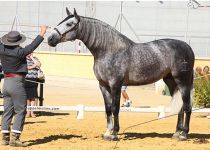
pixel 14 65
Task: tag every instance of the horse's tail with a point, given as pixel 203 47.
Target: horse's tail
pixel 177 102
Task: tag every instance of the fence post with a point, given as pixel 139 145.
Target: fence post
pixel 80 111
pixel 161 113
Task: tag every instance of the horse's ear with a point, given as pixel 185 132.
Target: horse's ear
pixel 68 12
pixel 75 14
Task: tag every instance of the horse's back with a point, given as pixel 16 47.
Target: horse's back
pixel 173 46
pixel 153 60
pixel 173 50
pixel 178 52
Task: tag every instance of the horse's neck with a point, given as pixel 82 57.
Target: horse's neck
pixel 98 36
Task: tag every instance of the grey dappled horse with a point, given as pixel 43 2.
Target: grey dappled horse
pixel 119 60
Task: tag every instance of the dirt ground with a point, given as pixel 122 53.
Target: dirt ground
pixel 61 130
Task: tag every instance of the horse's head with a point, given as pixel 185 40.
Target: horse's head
pixel 66 30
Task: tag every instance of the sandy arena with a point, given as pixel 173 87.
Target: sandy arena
pixel 61 130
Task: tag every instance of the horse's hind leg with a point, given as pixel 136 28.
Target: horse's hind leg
pixel 185 87
pixel 187 108
pixel 179 126
pixel 170 82
pixel 172 85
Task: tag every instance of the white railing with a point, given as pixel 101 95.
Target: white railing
pixel 81 109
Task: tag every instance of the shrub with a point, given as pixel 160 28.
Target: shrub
pixel 201 93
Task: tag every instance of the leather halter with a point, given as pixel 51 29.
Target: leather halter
pixel 61 34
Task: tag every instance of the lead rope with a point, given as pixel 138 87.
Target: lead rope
pixel 146 122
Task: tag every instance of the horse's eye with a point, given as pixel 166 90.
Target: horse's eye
pixel 69 24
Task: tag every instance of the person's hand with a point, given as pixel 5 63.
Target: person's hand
pixel 31 56
pixel 43 30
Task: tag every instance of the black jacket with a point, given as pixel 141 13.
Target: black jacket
pixel 13 58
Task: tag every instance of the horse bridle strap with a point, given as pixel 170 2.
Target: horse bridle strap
pixel 61 34
pixel 57 31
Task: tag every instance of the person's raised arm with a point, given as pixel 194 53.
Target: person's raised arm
pixel 34 44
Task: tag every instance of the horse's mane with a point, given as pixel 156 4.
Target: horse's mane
pixel 98 34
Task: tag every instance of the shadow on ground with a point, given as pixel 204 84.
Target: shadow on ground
pixel 50 138
pixel 133 136
pixel 51 114
pixel 34 122
pixel 43 113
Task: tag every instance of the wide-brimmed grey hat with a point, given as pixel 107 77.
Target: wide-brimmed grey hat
pixel 13 38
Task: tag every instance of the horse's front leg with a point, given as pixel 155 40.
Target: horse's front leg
pixel 116 92
pixel 106 92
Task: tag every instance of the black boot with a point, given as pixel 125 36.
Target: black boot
pixel 15 141
pixel 5 139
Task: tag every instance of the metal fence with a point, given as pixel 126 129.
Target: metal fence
pixel 141 21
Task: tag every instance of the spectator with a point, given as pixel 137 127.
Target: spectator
pixel 206 72
pixel 126 101
pixel 198 71
pixel 13 59
pixel 31 85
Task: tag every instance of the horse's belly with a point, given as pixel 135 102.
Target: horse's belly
pixel 142 80
pixel 147 74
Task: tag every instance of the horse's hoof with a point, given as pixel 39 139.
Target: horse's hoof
pixel 176 135
pixel 107 137
pixel 110 137
pixel 115 138
pixel 183 136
